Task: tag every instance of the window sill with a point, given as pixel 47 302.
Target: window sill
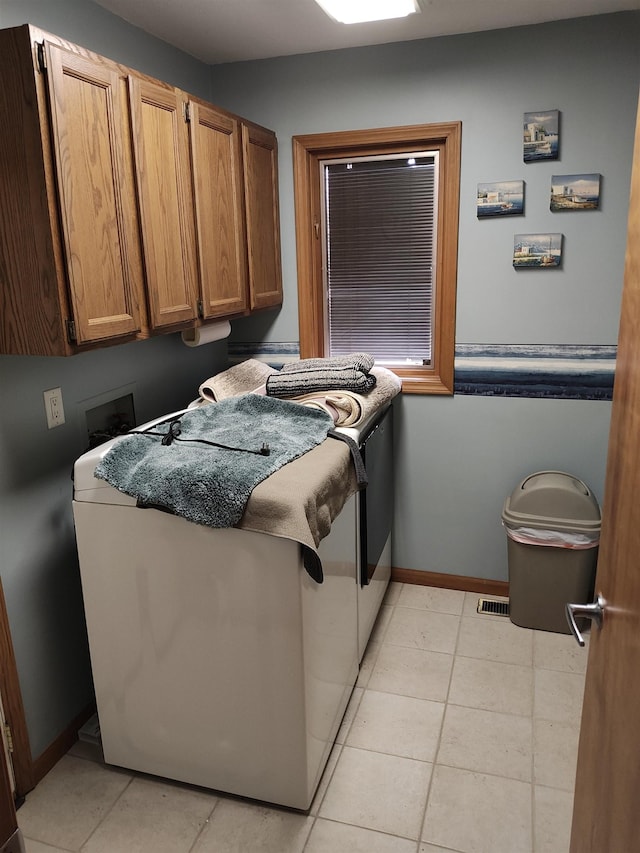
pixel 420 381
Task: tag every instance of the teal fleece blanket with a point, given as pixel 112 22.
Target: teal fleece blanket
pixel 180 470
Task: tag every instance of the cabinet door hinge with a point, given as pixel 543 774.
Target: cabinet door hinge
pixel 42 56
pixel 71 331
pixel 200 309
pixel 316 230
pixel 187 111
pixel 8 737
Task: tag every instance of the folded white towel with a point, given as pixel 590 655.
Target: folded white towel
pixel 349 408
pixel 242 378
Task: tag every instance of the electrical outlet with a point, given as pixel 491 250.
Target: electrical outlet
pixel 53 407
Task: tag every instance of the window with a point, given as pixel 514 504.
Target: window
pixel 379 245
pixel 376 234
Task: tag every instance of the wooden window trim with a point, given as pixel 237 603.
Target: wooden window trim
pixel 308 151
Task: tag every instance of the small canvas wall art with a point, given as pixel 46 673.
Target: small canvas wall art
pixel 537 250
pixel 504 198
pixel 575 192
pixel 541 136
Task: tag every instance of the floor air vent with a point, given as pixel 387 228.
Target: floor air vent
pixel 495 608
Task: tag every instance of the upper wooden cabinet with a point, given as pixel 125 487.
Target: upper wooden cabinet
pixel 68 224
pixel 89 128
pixel 260 151
pixel 128 206
pixel 163 178
pixel 216 155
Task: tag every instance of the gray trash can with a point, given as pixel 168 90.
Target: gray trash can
pixel 552 522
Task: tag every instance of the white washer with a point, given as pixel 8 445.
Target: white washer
pixel 216 659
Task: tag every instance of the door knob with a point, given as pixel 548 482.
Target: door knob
pixel 594 611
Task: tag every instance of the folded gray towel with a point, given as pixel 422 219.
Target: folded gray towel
pixel 361 361
pixel 348 372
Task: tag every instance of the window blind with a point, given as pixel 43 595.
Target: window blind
pixel 380 224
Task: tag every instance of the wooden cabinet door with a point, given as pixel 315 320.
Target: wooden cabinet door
pixel 605 811
pixel 161 154
pixel 260 155
pixel 216 157
pixel 89 129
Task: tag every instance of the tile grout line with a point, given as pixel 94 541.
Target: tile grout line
pixel 311 828
pixel 204 825
pixel 439 743
pixel 384 832
pixel 331 775
pixel 56 849
pixel 342 745
pixel 106 814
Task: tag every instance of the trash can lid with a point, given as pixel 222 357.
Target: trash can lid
pixel 552 500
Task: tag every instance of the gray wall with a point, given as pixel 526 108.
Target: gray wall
pixel 91 26
pixel 458 458
pixel 38 562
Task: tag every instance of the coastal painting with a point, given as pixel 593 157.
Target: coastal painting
pixel 541 136
pixel 504 198
pixel 537 251
pixel 575 192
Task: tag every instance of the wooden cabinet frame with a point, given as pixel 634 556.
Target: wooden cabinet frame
pixel 130 208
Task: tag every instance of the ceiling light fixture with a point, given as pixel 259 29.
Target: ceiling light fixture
pixel 360 11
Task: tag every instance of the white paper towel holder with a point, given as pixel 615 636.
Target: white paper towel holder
pixel 200 335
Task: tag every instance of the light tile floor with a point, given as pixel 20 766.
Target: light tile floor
pixel 461 735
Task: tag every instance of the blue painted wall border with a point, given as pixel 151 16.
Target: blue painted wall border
pixel 559 371
pixel 275 353
pixel 562 371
